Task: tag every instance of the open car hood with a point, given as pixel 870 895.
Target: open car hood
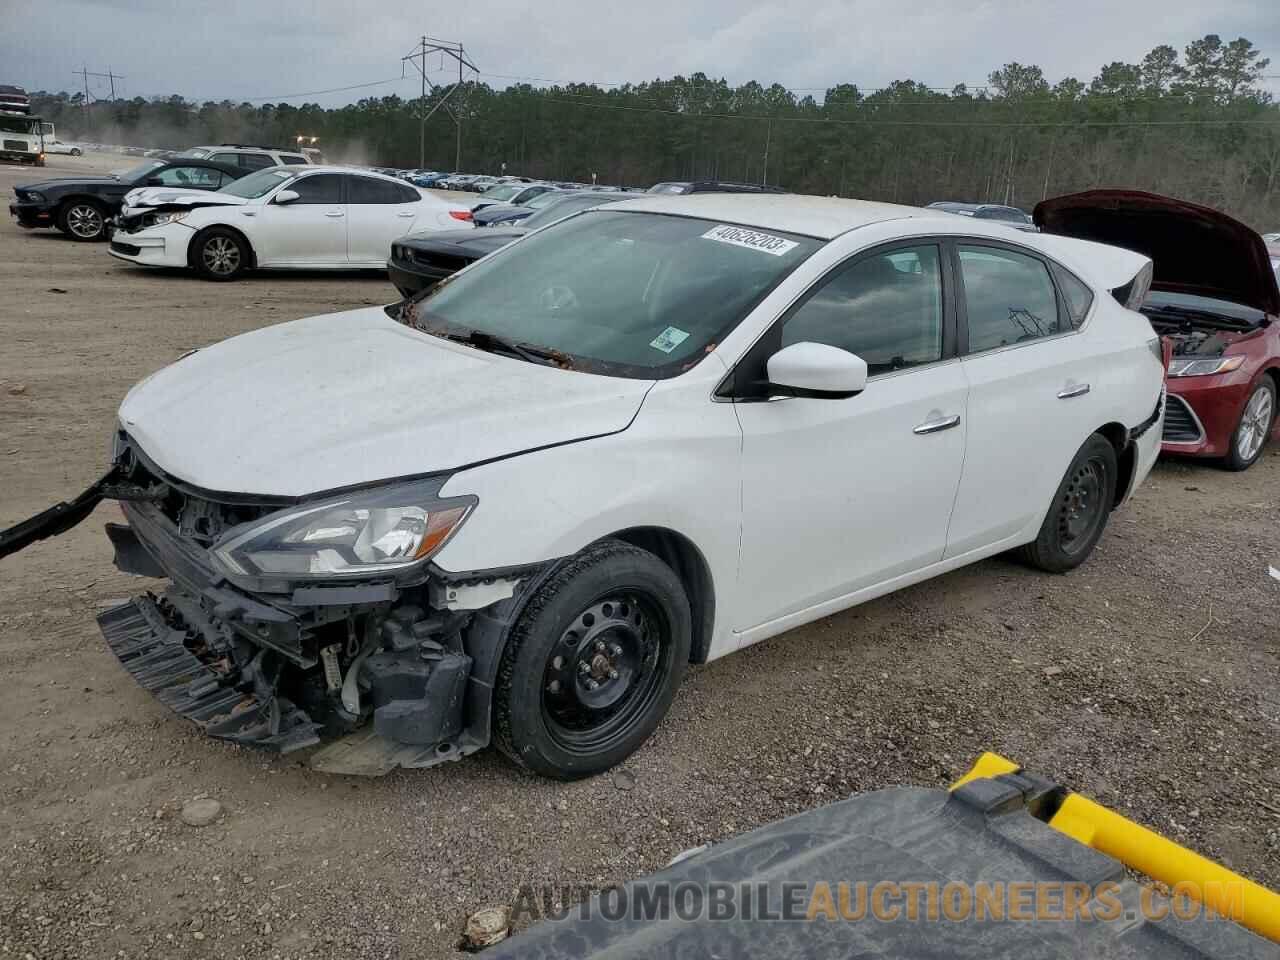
pixel 1196 250
pixel 357 398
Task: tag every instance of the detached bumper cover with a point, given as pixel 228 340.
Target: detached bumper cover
pixel 168 657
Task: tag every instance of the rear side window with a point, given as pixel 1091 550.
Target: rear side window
pixel 369 190
pixel 255 161
pixel 292 158
pixel 886 308
pixel 1078 296
pixel 225 157
pixel 320 188
pixel 1009 297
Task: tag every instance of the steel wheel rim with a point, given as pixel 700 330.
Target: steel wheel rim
pixel 1254 425
pixel 604 672
pixel 1082 509
pixel 221 255
pixel 84 220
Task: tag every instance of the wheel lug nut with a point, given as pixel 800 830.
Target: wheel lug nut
pixel 554 687
pixel 615 649
pixel 599 646
pixel 591 685
pixel 613 674
pixel 584 667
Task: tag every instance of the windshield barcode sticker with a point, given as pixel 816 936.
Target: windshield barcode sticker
pixel 751 239
pixel 669 339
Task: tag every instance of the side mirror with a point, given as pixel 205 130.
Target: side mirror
pixel 817 370
pixel 285 196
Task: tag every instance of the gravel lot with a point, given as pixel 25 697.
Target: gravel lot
pixel 1147 679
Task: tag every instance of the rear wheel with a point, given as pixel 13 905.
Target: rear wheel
pixel 1079 511
pixel 75 151
pixel 1256 421
pixel 219 254
pixel 83 220
pixel 593 662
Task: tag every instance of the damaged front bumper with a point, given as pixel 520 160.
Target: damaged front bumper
pixel 390 672
pixel 394 676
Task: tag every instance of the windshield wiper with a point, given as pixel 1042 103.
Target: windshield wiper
pixel 493 343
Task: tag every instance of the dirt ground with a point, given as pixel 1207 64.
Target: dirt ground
pixel 1147 679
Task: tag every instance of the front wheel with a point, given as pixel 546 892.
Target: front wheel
pixel 1254 428
pixel 219 254
pixel 75 151
pixel 1079 511
pixel 593 662
pixel 83 220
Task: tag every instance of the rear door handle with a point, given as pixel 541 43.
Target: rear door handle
pixel 405 214
pixel 1075 390
pixel 937 426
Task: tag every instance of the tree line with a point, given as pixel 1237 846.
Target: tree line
pixel 1196 124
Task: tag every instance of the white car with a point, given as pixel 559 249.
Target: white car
pixel 59 146
pixel 517 507
pixel 289 217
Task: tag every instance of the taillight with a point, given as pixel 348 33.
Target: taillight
pixel 460 214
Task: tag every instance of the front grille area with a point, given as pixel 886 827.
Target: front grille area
pixel 440 261
pixel 128 249
pixel 17 145
pixel 1180 424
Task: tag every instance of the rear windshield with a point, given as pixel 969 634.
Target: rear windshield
pixel 628 294
pixel 503 191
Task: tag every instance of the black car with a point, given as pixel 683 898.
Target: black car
pixel 421 260
pixel 82 207
pixel 712 186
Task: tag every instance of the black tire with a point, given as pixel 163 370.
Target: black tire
pixel 75 151
pixel 219 253
pixel 1079 511
pixel 612 615
pixel 83 220
pixel 1257 419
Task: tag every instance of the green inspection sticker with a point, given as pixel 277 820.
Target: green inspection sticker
pixel 669 339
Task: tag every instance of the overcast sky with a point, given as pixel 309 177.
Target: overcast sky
pixel 266 49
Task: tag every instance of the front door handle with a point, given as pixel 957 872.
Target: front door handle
pixel 334 213
pixel 405 214
pixel 1075 390
pixel 938 425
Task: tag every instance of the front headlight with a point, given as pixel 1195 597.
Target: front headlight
pixel 170 216
pixel 34 196
pixel 363 534
pixel 1203 366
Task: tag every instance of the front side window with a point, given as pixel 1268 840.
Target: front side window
pixel 255 161
pixel 885 307
pixel 1008 297
pixel 626 294
pixel 318 188
pixel 369 190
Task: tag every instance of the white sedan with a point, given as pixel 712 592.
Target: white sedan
pixel 515 508
pixel 287 217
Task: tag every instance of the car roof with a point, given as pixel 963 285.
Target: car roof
pixel 309 168
pixel 821 217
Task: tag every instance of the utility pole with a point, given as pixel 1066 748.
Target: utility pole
pixel 111 77
pixel 85 72
pixel 418 57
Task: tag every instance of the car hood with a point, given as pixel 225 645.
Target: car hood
pixel 1195 250
pixel 54 183
pixel 180 197
pixel 356 398
pixel 465 243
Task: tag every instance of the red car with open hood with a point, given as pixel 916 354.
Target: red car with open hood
pixel 1213 293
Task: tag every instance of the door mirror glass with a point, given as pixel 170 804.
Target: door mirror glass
pixel 817 370
pixel 286 196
